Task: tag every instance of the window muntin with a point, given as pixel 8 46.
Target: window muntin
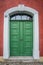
pixel 21 17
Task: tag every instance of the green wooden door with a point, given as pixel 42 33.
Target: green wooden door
pixel 21 38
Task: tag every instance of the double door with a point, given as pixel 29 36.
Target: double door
pixel 21 38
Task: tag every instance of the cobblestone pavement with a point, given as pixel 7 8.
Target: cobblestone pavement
pixel 21 63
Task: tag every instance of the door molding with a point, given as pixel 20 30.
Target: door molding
pixel 31 11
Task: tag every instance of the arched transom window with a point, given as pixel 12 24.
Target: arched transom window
pixel 21 17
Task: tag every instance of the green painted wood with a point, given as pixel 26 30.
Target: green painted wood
pixel 21 38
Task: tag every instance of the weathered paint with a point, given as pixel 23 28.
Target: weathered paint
pixel 36 4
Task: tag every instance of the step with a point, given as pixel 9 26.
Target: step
pixel 21 63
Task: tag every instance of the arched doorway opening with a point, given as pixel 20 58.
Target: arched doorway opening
pixel 21 35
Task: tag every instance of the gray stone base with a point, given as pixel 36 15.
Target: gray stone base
pixel 20 63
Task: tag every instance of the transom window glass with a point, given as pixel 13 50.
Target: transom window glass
pixel 21 17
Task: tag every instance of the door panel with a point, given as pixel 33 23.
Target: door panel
pixel 21 38
pixel 14 38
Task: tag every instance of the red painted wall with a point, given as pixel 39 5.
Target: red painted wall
pixel 36 4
